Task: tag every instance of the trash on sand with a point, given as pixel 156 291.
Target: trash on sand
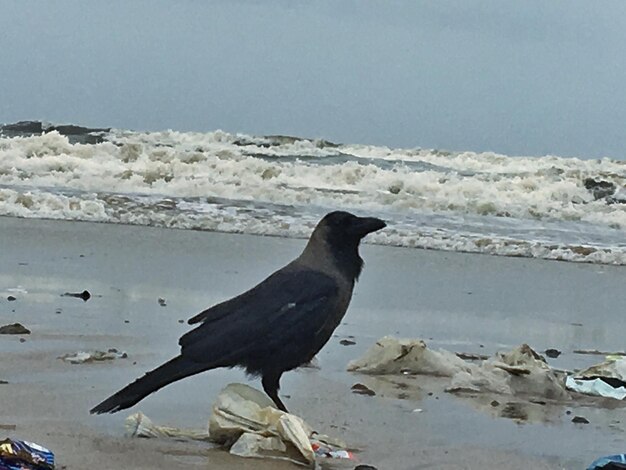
pixel 607 379
pixel 520 371
pixel 245 421
pixel 24 455
pixel 14 329
pixel 597 387
pixel 599 353
pixel 85 295
pixel 139 425
pixel 162 302
pixel 82 357
pixel 390 355
pixel 610 462
pixel 471 356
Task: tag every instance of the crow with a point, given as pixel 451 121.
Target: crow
pixel 276 326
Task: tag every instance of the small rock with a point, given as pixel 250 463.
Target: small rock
pixel 14 329
pixel 181 321
pixel 580 420
pixel 552 353
pixel 347 342
pixel 361 389
pixel 11 298
pixel 162 302
pixel 126 321
pixel 365 467
pixel 3 382
pixel 58 311
pixel 568 412
pixel 22 340
pixel 495 403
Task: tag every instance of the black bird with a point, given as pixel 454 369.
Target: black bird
pixel 277 325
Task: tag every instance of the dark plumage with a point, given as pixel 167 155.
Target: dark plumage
pixel 277 325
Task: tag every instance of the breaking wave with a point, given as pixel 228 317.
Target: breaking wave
pixel 540 207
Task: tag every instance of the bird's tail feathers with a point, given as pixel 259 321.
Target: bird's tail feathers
pixel 176 369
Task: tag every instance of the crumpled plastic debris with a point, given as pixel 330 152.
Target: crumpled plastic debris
pixel 24 455
pixel 391 355
pixel 82 357
pixel 610 462
pixel 518 372
pixel 246 422
pixel 607 379
pixel 139 425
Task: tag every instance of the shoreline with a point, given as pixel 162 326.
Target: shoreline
pixel 156 225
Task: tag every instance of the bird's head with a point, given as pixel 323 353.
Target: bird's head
pixel 340 227
pixel 338 234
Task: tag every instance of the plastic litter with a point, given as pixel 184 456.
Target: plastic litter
pixel 245 421
pixel 520 371
pixel 391 355
pixel 139 425
pixel 82 357
pixel 610 462
pixel 607 379
pixel 596 387
pixel 24 455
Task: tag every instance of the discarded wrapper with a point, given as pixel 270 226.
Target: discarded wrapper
pixel 520 371
pixel 246 422
pixel 612 462
pixel 24 455
pixel 82 357
pixel 607 379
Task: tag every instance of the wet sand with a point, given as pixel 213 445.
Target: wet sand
pixel 461 302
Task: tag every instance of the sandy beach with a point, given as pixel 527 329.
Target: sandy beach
pixel 461 302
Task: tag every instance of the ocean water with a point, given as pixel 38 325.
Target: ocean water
pixel 277 185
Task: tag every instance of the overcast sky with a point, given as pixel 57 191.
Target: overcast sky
pixel 517 77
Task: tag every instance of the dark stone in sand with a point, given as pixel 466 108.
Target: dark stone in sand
pixel 361 389
pixel 347 342
pixel 365 467
pixel 552 353
pixel 495 403
pixel 14 329
pixel 11 298
pixel 580 420
pixel 3 382
pixel 85 295
pixel 162 302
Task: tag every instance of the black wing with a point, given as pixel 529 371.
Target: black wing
pixel 276 322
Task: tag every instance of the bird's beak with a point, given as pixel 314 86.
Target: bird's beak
pixel 364 225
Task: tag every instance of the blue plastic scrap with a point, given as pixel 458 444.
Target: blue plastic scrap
pixel 24 455
pixel 610 462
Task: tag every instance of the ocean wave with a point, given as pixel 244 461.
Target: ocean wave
pixel 276 185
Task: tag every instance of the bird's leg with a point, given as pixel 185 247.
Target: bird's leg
pixel 271 384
